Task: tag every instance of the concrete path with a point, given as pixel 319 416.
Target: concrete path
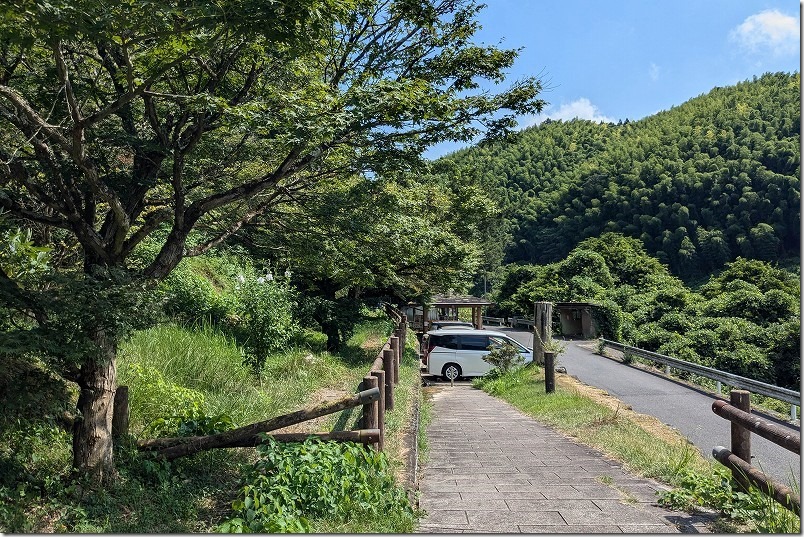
pixel 491 468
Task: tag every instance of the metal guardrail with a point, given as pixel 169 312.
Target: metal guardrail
pixel 516 321
pixel 499 320
pixel 730 379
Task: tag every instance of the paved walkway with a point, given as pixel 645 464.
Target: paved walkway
pixel 491 468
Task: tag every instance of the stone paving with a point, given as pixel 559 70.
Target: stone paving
pixel 493 469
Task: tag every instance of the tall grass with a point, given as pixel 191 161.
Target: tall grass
pixel 201 360
pixel 163 366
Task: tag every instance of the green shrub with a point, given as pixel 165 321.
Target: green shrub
pixel 153 400
pixel 295 482
pixel 191 297
pixel 608 317
pixel 264 320
pixel 504 358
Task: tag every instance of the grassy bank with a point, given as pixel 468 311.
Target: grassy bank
pixel 644 445
pixel 196 378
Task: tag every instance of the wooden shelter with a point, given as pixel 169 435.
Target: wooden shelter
pixel 576 319
pixel 446 307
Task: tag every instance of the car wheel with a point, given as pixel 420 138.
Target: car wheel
pixel 451 372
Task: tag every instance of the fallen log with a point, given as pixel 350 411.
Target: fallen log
pixel 173 448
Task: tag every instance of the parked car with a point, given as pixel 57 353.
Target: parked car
pixel 438 325
pixel 457 352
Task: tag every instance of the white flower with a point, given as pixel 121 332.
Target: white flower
pixel 269 277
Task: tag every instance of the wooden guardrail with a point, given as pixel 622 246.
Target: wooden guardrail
pixel 384 375
pixel 722 377
pixel 249 435
pixel 738 459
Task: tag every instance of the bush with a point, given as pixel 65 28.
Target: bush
pixel 504 358
pixel 190 297
pixel 264 320
pixel 608 317
pixel 152 399
pixel 295 482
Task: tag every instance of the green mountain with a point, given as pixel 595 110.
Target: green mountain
pixel 701 184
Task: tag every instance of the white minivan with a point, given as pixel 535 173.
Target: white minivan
pixel 454 352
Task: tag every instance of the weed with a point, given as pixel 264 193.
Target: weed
pixel 295 483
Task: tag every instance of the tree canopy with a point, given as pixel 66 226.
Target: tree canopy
pixel 186 120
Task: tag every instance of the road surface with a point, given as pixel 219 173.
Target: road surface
pixel 684 408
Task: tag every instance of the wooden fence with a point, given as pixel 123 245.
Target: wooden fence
pixel 738 459
pixel 384 374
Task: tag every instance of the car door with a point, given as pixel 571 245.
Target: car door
pixel 440 349
pixel 470 353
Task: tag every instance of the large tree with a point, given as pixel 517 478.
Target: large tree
pixel 119 120
pixel 360 240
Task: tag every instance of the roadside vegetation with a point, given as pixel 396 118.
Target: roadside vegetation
pixel 644 446
pixel 743 319
pixel 197 380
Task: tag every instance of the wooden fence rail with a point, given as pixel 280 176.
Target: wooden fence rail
pixel 384 374
pixel 738 459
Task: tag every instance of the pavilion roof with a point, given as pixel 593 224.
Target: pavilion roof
pixel 441 301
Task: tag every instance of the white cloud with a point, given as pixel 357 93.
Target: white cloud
pixel 580 108
pixel 653 72
pixel 769 31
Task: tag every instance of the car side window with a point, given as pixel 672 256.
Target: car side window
pixel 497 342
pixel 448 342
pixel 474 343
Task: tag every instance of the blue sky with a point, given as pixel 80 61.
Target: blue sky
pixel 607 60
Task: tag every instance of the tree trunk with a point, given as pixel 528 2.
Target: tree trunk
pixel 330 329
pixel 92 432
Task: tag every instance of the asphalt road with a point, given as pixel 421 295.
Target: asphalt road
pixel 686 409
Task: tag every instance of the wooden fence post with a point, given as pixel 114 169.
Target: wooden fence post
pixel 542 329
pixel 549 372
pixel 397 357
pixel 740 436
pixel 120 414
pixel 404 330
pixel 388 367
pixel 380 376
pixel 370 409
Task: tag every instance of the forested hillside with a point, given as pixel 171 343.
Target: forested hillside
pixel 701 184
